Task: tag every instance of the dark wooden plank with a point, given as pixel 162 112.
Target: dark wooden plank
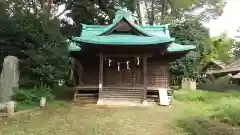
pixel 85 86
pixel 100 74
pixel 114 87
pixel 124 55
pixel 145 77
pixel 130 88
pixel 80 72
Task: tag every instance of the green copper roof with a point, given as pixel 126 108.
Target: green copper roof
pixel 94 30
pixel 145 35
pixel 118 39
pixel 174 47
pixel 99 34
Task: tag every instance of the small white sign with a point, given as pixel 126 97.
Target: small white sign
pixel 100 86
pixel 163 96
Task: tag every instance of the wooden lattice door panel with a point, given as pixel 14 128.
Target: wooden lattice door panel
pixel 132 77
pixel 124 77
pixel 112 77
pixel 127 77
pixel 158 75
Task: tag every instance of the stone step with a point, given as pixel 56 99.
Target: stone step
pixel 86 95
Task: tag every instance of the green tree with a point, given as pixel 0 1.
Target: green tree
pixel 36 40
pixel 236 48
pixel 190 32
pixel 161 11
pixel 220 49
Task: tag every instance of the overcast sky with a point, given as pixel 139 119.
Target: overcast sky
pixel 229 20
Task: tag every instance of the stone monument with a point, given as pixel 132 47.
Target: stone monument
pixel 9 78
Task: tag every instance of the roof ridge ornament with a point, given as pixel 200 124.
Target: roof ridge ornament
pixel 123 12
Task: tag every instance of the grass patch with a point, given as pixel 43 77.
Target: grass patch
pixel 92 120
pixel 22 107
pixel 227 111
pixel 209 112
pixel 205 126
pixel 203 96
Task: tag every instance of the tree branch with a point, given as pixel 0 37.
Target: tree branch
pixel 67 7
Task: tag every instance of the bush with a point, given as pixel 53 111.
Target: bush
pixel 175 87
pixel 227 111
pixel 3 107
pixel 203 126
pixel 31 96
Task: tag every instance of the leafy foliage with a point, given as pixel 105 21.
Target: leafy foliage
pixel 37 42
pixel 31 96
pixel 97 11
pixel 189 32
pixel 185 67
pixel 161 11
pixel 220 49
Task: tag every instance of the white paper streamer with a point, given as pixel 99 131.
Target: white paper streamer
pixel 109 62
pixel 138 61
pixel 118 66
pixel 128 65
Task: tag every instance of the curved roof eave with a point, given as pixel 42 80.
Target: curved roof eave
pixel 174 47
pixel 131 40
pixel 73 47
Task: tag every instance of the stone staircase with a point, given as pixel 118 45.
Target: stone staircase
pixel 123 94
pixel 86 97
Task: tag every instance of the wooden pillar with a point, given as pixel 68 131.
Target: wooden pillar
pixel 71 78
pixel 80 72
pixel 145 102
pixel 100 79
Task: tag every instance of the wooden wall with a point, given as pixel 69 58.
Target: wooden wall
pixel 157 74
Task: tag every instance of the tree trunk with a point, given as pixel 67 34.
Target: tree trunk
pixel 163 3
pixel 151 22
pixel 148 12
pixel 139 12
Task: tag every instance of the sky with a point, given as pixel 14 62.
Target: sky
pixel 228 22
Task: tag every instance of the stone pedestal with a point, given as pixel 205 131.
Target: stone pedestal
pixel 43 102
pixel 188 84
pixel 145 102
pixel 100 102
pixel 10 109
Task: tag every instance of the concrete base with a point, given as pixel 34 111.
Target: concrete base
pixel 100 102
pixel 145 102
